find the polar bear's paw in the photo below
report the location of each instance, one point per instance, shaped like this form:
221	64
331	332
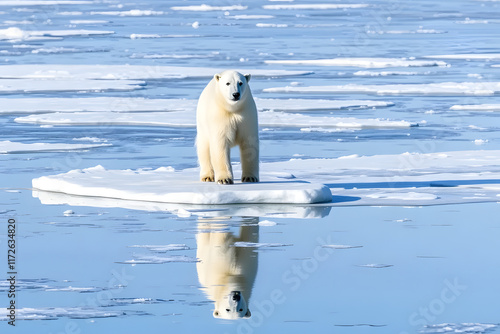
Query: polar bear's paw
225	181
207	178
249	179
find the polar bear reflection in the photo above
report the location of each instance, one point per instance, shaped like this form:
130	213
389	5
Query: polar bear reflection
227	273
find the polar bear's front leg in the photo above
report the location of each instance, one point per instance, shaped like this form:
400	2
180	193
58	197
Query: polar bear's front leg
219	156
203	150
249	153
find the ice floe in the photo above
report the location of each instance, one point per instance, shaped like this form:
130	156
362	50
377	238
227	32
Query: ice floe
60	71
126	104
320	6
15	147
16	34
155	259
166	186
362	62
466	328
44	2
476	107
187	119
15	86
208	8
407	179
132	12
467	56
52	313
439	89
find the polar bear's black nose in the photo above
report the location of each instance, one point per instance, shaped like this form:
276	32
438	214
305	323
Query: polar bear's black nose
236	96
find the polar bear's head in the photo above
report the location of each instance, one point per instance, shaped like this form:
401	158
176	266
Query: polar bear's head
232	85
233	306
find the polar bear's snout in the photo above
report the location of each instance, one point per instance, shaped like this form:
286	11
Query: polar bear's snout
236	96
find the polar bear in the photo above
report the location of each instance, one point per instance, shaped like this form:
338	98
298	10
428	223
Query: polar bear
227	273
226	116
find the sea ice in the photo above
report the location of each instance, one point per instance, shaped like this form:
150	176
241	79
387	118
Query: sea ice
59	71
188	119
128	104
361	62
439	89
15	147
174	187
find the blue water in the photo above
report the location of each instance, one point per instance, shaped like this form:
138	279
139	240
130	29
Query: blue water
426	265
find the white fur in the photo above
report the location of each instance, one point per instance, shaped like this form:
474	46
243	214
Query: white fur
223	122
225	271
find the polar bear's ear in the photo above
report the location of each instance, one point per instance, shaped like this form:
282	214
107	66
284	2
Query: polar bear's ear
217	77
248	314
247	76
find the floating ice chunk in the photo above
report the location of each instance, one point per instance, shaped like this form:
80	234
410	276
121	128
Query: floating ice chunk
314	6
163	248
477	107
385	73
466	328
75	104
133	12
267	223
44	2
404	196
340	246
361	62
250	17
376	265
58	71
207	8
15	86
177	187
443	88
68	212
51	313
154	259
15	147
480	141
467	56
14	33
259	244
271	25
186	119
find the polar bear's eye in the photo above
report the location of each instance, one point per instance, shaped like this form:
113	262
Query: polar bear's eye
240	83
228	83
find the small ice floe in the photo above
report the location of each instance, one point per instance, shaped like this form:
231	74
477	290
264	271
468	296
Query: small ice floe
153	259
53	313
432	89
259	244
267	223
466	328
320	6
163	248
480	141
187	120
405	196
14	147
132	12
477	107
375	265
340	246
68	213
207	8
362	62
